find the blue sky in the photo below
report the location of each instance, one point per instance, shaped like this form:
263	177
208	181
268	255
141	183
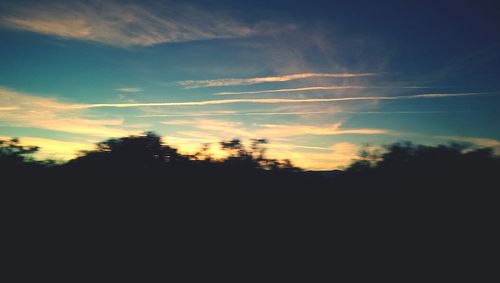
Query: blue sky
320	79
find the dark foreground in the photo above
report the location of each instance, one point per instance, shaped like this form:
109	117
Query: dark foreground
417	211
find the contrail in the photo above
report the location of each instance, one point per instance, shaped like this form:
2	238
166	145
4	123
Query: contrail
314	88
273	100
302	113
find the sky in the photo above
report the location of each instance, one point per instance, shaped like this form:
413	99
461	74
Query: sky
319	79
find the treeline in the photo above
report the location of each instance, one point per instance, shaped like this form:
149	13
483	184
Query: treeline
146	158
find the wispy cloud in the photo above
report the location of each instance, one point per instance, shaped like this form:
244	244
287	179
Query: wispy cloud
283	78
228	129
126	24
222	128
8	108
276	100
47	113
316	88
232	113
129	89
273	130
299	113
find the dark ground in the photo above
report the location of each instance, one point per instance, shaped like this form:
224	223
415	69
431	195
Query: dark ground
416	212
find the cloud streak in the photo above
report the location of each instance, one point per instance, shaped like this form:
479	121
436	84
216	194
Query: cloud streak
227	129
315	88
221	127
276	100
129	89
251	81
233	113
272	130
126	24
299	113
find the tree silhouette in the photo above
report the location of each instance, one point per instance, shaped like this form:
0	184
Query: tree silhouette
15	157
141	151
146	155
13	150
407	163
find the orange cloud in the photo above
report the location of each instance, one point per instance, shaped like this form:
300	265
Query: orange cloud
222	128
283	78
47	113
271	130
312	88
128	24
